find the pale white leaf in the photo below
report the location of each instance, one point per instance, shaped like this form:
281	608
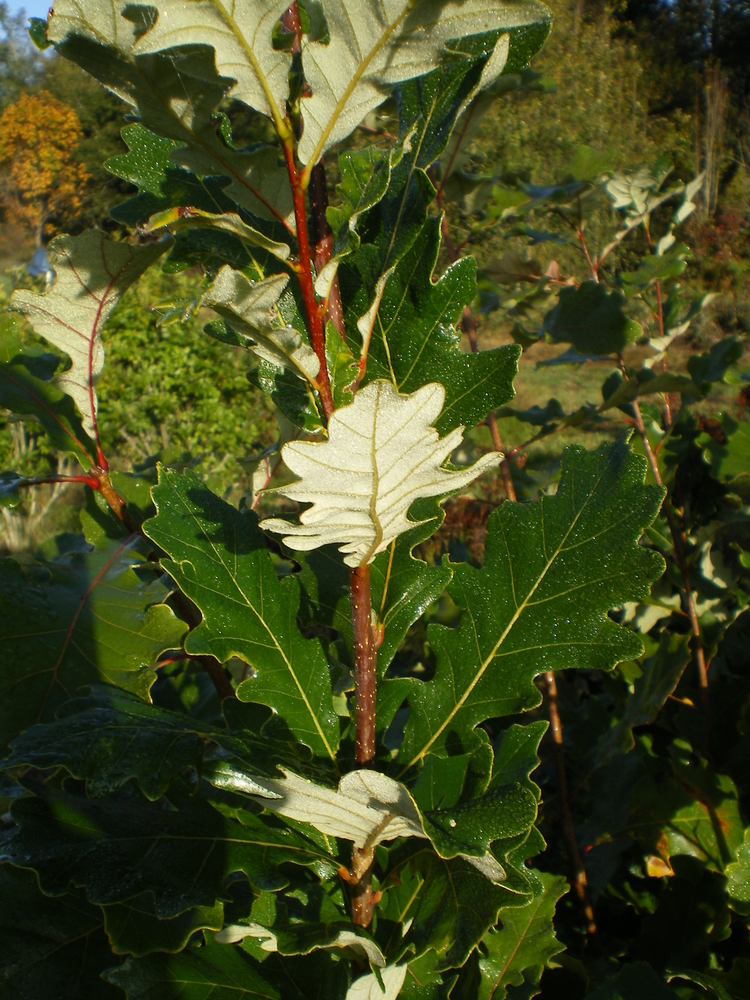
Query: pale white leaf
177	219
92	272
375	44
490	867
368	988
234	933
261	468
363	947
250	309
381	455
367	808
688	206
174	97
665	243
240	33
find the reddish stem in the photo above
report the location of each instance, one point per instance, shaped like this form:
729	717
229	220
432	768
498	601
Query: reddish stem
365	656
323	236
304	274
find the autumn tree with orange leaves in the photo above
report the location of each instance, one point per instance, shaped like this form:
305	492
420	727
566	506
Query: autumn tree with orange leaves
40	175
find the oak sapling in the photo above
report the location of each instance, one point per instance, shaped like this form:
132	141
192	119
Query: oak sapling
325	822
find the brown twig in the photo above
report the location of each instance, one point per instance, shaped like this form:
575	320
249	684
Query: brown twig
323	237
580	882
365	655
679	541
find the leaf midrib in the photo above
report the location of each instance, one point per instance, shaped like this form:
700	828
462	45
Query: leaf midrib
484	664
261	619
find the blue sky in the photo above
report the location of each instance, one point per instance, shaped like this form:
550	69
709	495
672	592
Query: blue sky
33	8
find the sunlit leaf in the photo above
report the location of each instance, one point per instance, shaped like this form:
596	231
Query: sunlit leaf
250	309
523	943
220	560
541	603
92	272
381	455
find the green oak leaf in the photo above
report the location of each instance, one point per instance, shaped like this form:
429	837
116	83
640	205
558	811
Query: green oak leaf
342	367
592	320
427	109
88	617
414	340
26	389
518	950
449	903
738	879
133	927
218	557
289	394
469	827
540	603
121	846
50	948
228	973
111	736
161	183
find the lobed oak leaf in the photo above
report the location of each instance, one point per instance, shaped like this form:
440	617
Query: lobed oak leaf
92	272
381	455
250	309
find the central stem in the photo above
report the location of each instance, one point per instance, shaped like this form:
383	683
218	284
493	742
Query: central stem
365	658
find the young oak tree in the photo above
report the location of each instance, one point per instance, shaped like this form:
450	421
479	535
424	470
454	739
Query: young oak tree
339	831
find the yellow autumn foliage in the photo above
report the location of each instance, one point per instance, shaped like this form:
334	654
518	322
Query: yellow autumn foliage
39	172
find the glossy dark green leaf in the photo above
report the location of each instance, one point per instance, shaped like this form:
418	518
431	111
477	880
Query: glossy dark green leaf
365	174
120	847
541	602
592	320
50	949
86	618
290	394
634	982
470	827
26	394
111	736
738	879
219	559
162	184
224	972
342	367
453	908
414	340
518	950
661	672
427	110
134	928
